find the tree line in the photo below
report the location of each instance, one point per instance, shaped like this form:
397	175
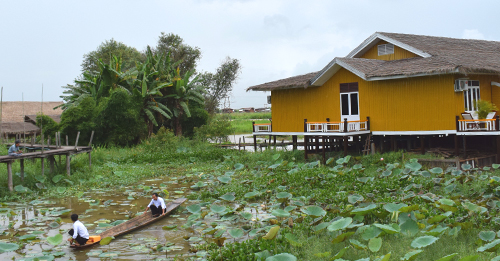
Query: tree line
126	95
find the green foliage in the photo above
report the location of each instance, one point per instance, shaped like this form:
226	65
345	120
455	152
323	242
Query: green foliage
199	117
117	121
79	118
106	51
216	130
179	52
49	126
483	108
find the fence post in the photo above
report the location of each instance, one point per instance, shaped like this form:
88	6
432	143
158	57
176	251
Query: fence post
457	118
305	126
253	126
345	124
497	123
367	123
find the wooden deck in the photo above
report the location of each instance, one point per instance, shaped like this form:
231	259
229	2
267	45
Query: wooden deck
41	152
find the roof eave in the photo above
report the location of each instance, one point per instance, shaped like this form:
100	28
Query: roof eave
331	69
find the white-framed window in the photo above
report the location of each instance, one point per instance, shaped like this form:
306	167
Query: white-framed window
471	95
384	49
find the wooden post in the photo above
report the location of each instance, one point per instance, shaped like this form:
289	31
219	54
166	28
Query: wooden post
91	137
21	163
43	165
42	143
456	146
68	167
324	154
77	137
497	123
90	159
346	140
372	149
48	142
51	163
422	145
255	143
367	123
498	148
9	178
253	127
316	143
345	125
57	143
294	142
393	143
464	142
239	143
305	125
306	139
67	143
457	123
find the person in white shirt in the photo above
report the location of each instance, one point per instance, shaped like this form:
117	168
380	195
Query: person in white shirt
155	205
79	233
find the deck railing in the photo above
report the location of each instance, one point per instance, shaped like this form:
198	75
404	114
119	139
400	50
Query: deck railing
340	126
477	125
262	127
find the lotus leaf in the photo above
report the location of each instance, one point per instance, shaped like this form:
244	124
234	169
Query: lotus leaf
409	208
353	199
194	208
386	257
490	247
283	196
495	166
365	210
436	170
466	166
252	194
436	231
262	255
8	247
497	258
40	178
106	241
109	254
238	166
20	188
57	178
374	244
393	229
414	166
27	237
340	253
272	233
342	237
424	241
228	197
282	257
392	207
386	173
55	240
448	257
447	202
425	174
487	235
436	219
474	207
340	224
313	211
320	227
169	227
411	255
280	213
357	166
371	232
357	244
293	240
217	209
61	189
290	208
409	228
246	215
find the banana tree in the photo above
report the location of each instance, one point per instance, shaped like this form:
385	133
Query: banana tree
147	85
184	90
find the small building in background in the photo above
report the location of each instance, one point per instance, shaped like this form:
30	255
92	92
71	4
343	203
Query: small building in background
227	110
249	109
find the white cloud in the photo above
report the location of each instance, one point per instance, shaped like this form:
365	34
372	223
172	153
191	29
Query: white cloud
472	34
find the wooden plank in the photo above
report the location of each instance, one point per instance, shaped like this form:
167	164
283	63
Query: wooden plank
9	174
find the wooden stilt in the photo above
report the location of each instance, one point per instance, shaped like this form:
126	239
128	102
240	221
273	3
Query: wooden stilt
9	174
498	148
90	159
21	163
51	163
77	137
91	138
457	148
67	142
294	142
306	146
324	152
422	145
43	165
464	142
255	143
68	166
346	141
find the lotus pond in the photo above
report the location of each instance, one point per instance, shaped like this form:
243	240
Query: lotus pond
266	206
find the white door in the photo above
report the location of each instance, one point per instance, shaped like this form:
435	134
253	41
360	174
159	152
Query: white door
349	106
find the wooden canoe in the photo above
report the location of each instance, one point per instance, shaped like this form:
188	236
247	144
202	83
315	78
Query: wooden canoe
135	223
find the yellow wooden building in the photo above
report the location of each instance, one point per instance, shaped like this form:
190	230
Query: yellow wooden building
398	85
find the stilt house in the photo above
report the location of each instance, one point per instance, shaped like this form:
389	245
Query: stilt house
400	91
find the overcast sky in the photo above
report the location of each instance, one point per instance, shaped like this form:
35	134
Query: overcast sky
43	42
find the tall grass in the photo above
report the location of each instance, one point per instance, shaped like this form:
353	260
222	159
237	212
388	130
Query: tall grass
248	115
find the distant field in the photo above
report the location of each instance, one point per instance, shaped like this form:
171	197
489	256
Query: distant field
242	121
249	115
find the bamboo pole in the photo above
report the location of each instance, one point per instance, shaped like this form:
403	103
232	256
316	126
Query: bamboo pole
1	105
24	127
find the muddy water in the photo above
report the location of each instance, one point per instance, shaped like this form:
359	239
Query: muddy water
115	204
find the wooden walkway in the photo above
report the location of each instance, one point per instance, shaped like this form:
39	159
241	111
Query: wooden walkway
41	152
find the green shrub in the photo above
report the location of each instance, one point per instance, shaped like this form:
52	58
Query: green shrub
216	130
484	107
199	117
79	119
49	126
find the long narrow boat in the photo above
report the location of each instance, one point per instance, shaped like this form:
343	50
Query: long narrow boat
132	224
